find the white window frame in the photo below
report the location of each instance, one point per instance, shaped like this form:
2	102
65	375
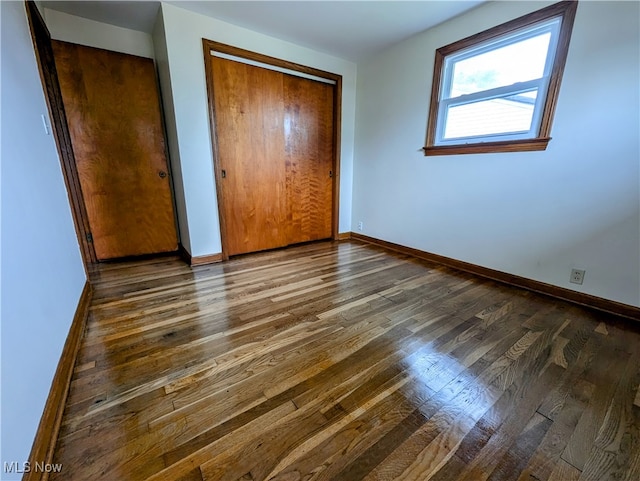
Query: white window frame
552	27
557	20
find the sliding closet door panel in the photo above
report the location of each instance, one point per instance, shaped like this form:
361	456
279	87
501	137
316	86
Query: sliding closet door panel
309	151
249	124
113	111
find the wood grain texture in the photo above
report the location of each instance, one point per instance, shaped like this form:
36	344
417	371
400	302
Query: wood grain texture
275	147
113	109
581	298
46	437
48	74
337	142
343	360
525	145
308	134
249	106
210	45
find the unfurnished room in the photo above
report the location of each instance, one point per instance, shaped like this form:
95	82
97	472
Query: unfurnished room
320	240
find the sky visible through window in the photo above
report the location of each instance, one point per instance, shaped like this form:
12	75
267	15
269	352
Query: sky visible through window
496	90
513	63
519	62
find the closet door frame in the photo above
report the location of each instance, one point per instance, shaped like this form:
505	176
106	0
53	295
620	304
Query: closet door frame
209	46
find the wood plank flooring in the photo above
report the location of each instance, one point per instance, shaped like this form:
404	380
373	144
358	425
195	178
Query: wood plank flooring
344	361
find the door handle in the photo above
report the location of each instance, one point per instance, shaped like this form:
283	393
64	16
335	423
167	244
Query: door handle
331	174
224	173
162	174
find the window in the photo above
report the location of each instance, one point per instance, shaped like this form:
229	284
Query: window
496	91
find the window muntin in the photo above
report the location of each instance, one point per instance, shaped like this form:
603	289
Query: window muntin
518	58
493	88
499	116
482	87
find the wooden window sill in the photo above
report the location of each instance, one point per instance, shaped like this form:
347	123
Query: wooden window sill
524	145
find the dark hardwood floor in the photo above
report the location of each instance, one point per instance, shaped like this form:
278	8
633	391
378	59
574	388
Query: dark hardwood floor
344	361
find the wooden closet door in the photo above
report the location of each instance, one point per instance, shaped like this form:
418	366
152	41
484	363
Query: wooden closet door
249	114
309	148
113	111
275	149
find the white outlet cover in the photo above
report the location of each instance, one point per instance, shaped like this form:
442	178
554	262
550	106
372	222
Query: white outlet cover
577	276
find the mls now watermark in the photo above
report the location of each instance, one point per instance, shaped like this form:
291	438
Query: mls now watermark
28	467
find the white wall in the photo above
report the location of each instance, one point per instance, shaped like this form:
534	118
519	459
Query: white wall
533	214
166	91
188	121
42	273
82	31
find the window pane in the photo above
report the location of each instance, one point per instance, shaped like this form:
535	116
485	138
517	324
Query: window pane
513	63
496	116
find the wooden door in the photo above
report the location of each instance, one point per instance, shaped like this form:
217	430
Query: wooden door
308	137
249	121
275	148
46	63
113	111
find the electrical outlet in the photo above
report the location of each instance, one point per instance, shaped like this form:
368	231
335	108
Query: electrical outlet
577	276
360	226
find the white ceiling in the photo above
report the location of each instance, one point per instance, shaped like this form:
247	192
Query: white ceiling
347	29
136	15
